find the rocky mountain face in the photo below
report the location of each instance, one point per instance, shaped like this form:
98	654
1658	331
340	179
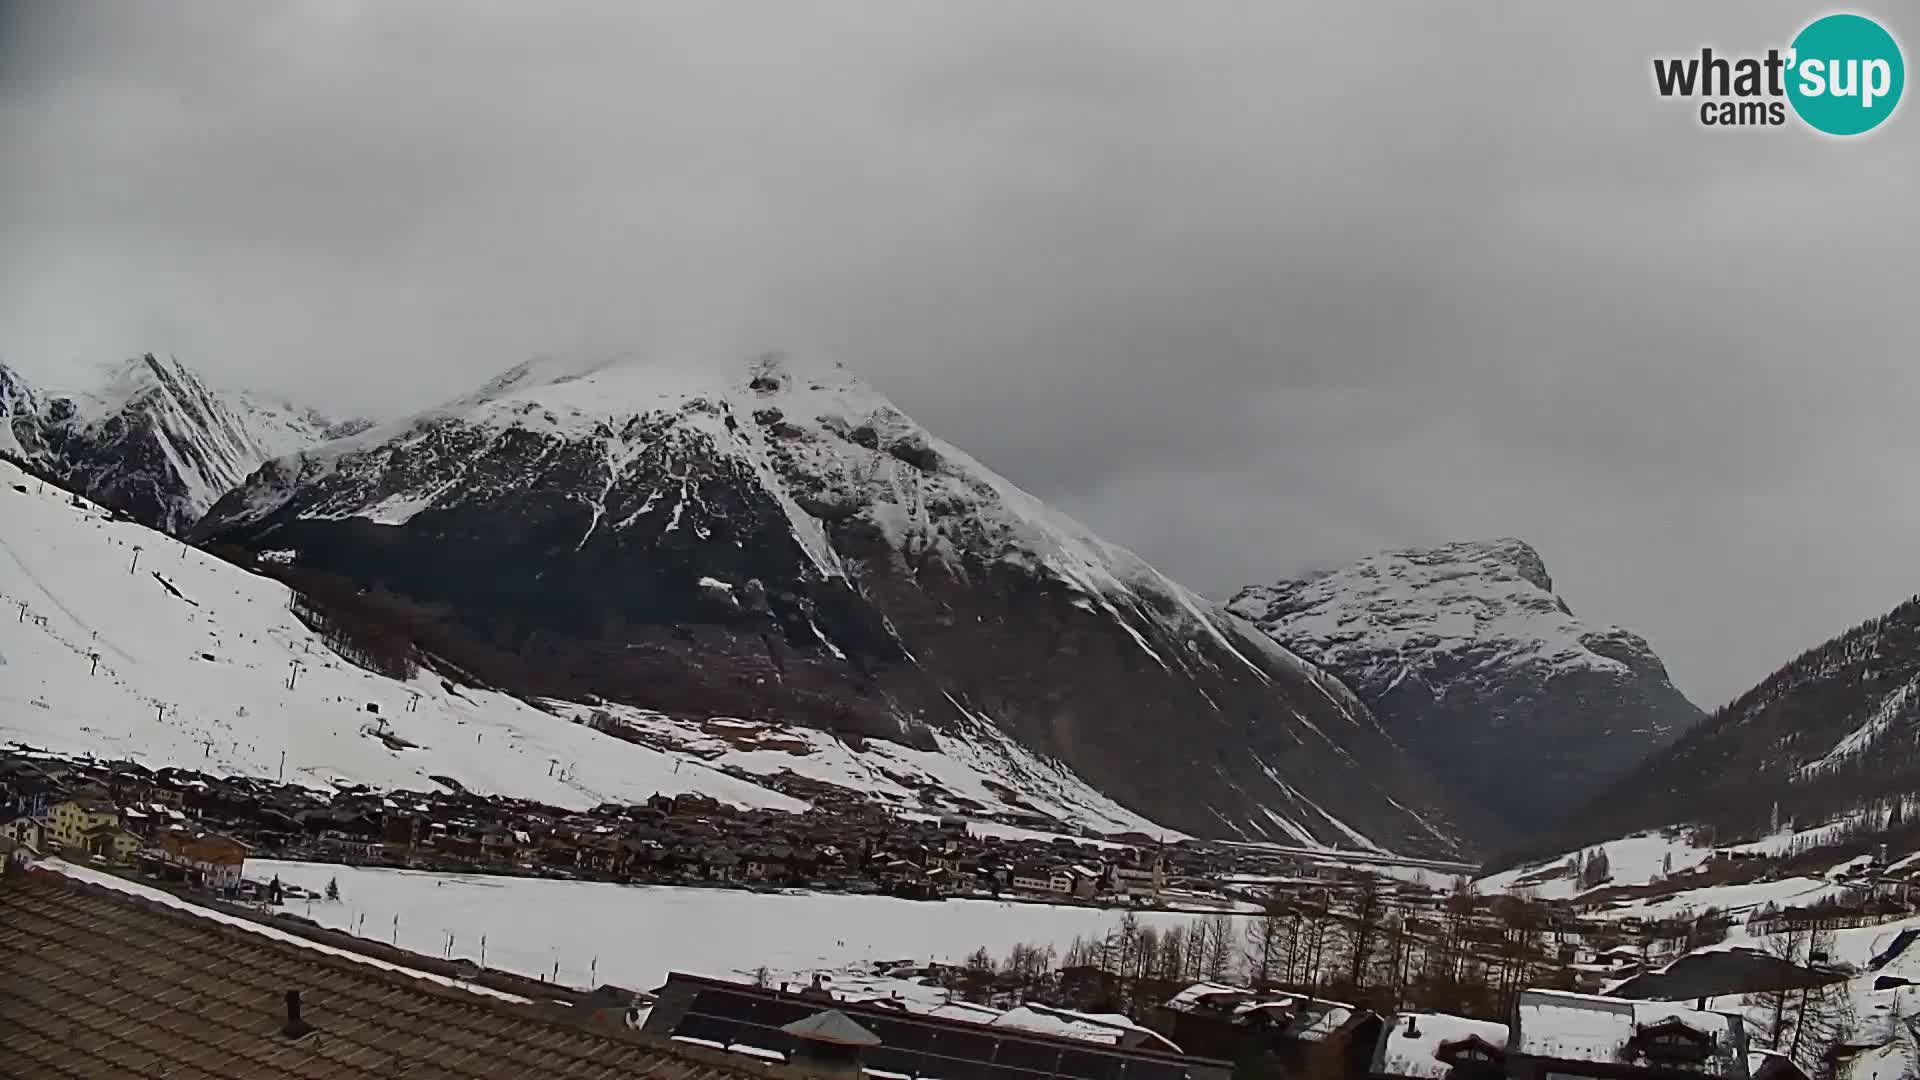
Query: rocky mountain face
784	542
150	439
1473	664
1832	736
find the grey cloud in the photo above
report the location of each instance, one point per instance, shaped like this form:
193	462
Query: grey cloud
1248	287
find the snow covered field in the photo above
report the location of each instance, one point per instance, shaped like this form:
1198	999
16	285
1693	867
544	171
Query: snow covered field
635	935
195	658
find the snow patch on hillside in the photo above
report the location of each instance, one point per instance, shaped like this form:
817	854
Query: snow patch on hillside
201	680
974	773
1899	705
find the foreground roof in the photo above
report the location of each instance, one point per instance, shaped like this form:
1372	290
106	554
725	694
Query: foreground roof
751	1019
102	984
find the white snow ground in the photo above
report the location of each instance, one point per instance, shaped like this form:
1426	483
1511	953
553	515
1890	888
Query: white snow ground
200	680
635	935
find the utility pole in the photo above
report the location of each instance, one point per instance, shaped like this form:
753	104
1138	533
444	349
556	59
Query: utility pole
23	610
294	675
95	669
283	767
136	559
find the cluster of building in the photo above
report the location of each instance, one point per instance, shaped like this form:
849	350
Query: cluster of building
126	812
124	815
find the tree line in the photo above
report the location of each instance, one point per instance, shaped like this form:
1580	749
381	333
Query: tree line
355	628
1471	956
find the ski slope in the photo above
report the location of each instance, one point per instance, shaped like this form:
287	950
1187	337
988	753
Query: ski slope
201	665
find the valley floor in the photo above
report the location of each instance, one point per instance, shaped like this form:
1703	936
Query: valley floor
635	935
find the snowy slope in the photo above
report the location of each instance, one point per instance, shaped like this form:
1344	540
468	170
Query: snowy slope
200	680
974	770
1480	669
147	436
782	542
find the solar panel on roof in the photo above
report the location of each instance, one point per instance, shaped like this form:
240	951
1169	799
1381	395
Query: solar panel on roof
711	1028
1086	1066
1033	1057
959	1044
953	1068
1141	1069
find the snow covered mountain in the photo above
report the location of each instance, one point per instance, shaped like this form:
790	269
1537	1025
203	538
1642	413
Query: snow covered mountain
1833	736
150	439
785	543
1476	666
201	664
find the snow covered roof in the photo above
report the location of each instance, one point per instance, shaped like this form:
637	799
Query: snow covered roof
1193	995
965	1010
1047	1023
1410	1040
1586	1027
1112	1029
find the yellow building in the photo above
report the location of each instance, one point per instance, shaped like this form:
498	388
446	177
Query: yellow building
70	820
111	842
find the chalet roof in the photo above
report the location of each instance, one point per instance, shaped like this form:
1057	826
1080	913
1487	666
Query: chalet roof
1410	1053
100	983
1585	1027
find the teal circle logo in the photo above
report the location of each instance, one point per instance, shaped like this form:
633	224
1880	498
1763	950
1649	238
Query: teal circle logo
1846	74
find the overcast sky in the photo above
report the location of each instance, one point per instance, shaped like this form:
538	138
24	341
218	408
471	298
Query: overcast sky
1248	287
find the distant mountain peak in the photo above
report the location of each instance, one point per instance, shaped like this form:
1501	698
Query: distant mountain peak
1473	662
147	436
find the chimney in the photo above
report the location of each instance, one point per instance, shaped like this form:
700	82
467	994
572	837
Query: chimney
1413	1026
295	1027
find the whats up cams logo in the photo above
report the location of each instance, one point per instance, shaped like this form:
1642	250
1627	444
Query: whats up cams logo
1842	75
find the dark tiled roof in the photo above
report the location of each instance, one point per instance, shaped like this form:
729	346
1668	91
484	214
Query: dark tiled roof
734	1014
96	983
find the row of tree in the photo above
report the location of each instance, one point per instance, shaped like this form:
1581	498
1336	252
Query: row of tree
1472	957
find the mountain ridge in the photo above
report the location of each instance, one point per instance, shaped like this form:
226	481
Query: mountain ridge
148	437
784	539
1832	735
